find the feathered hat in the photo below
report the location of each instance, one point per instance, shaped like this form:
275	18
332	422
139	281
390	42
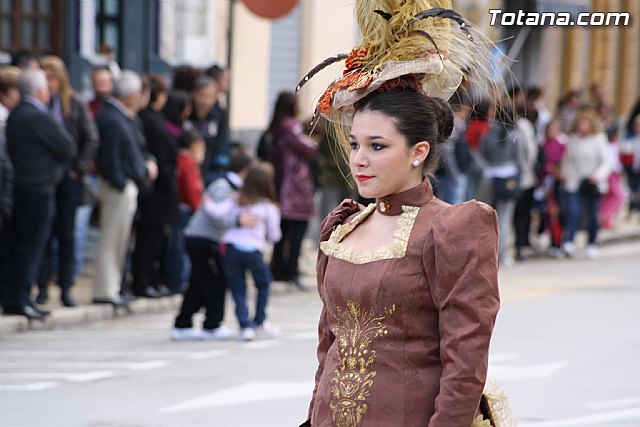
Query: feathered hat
420	43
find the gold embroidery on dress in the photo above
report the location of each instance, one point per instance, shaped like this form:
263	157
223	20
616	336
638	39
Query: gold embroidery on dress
355	330
397	249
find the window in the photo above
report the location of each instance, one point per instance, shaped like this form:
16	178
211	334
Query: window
29	25
108	27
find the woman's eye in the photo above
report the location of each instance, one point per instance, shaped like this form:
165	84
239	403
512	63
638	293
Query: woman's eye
377	147
354	145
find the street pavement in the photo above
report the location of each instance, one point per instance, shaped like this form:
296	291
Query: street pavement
565	350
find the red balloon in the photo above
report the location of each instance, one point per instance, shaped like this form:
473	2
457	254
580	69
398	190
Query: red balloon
270	9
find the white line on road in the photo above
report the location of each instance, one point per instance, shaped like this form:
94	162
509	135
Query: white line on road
256	391
610	404
202	355
502	357
142	366
595	419
256	345
527	372
45	385
148	366
302	336
65	376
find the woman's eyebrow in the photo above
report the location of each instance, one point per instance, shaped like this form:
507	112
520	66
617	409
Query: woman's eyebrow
371	137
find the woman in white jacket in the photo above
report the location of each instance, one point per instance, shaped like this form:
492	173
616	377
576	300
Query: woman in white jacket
585	171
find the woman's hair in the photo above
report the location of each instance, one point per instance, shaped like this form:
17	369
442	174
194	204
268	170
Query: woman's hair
188	138
553	122
286	106
56	66
258	185
481	110
177	100
417	117
184	78
8	78
157	85
239	158
591	116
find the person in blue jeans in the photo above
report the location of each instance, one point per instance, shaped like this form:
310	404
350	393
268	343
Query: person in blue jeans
244	247
585	173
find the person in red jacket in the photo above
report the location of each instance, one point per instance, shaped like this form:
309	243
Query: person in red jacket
191	151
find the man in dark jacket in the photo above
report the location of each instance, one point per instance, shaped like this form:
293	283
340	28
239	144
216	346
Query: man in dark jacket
122	168
40	150
210	119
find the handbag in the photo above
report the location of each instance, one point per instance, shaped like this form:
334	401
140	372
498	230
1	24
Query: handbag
589	189
506	188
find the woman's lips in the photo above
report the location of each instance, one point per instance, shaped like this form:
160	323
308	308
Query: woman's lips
363	178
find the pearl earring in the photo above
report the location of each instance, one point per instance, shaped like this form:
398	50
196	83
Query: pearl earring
416	162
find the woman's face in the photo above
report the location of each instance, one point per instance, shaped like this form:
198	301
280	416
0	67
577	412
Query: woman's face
54	83
583	127
381	162
205	98
553	130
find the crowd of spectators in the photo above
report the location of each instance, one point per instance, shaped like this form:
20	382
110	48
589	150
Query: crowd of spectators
145	155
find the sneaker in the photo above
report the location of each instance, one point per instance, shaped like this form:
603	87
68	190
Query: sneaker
555	253
268	330
220	333
186	334
592	252
569	248
247	334
507	262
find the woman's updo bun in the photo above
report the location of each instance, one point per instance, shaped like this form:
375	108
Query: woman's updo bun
416	116
445	119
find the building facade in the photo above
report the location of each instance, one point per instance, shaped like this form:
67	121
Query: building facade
268	56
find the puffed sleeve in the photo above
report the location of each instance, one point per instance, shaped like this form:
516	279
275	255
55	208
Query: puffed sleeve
461	261
336	217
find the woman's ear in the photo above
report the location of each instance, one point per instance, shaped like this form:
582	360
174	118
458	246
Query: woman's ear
420	151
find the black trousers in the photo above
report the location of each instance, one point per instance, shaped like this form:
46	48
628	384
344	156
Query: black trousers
5	241
148	257
62	239
522	218
32	221
207	286
286	253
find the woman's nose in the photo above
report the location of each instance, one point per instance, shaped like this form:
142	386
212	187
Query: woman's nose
358	159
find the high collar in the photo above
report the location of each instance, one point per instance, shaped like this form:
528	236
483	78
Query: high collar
419	195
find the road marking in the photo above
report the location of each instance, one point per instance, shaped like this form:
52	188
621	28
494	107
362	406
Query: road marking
66	376
502	357
610	404
45	385
142	366
595	419
148	366
202	355
303	336
41	354
256	391
528	372
256	345
566	284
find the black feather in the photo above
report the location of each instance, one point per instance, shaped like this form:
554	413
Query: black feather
439	12
321	66
382	13
428	36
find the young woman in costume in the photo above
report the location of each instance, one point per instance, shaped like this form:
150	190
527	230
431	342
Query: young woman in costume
409	283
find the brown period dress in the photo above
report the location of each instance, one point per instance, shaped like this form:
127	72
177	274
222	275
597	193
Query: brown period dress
405	329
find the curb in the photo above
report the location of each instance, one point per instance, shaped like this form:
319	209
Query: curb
86	313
